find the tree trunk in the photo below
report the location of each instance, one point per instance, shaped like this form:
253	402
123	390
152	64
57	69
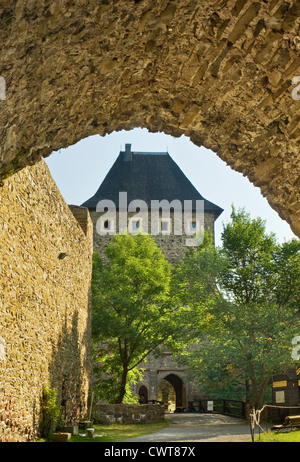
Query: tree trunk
122	390
258	387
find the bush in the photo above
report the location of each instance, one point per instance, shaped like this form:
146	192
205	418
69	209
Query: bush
51	412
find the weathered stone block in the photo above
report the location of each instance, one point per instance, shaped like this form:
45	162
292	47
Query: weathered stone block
129	413
73	429
61	437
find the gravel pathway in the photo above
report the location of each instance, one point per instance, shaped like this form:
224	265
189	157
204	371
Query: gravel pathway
199	428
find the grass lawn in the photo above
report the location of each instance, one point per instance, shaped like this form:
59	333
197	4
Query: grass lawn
115	433
279	437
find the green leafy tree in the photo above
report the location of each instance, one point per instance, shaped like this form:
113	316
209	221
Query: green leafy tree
245	300
132	310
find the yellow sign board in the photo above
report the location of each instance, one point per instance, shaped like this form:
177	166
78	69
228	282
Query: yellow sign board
283	383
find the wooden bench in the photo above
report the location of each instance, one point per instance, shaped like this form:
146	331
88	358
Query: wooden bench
290	422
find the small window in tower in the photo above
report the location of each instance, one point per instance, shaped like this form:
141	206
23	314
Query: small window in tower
135	225
106	224
193	225
165	226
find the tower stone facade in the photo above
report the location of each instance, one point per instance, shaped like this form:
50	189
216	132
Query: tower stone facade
147	191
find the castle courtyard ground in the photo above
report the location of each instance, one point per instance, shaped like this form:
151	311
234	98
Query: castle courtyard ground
189	427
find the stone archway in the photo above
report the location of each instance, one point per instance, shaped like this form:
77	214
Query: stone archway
180	390
218	72
143	394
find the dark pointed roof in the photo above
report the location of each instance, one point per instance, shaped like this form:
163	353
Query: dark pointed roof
147	176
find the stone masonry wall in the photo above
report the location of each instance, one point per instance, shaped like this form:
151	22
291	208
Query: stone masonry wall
172	246
44	303
222	73
128	413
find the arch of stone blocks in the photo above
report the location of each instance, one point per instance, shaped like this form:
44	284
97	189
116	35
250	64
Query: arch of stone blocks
223	73
178	384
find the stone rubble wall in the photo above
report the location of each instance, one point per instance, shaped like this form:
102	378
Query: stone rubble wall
128	413
45	332
172	246
219	72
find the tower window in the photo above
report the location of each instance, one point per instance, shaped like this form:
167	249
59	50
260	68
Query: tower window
165	226
106	224
193	225
135	225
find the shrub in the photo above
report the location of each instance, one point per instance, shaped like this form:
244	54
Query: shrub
51	412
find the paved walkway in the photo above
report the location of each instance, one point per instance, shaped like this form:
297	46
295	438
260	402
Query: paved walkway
199	428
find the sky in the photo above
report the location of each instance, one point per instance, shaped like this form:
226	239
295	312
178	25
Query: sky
80	169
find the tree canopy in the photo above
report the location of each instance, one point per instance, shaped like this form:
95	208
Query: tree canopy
132	313
230	313
245	307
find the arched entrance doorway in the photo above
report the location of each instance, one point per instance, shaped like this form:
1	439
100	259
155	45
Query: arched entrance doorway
172	391
143	395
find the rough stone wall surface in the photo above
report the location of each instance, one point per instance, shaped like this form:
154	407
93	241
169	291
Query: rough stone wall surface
128	413
219	72
82	216
44	303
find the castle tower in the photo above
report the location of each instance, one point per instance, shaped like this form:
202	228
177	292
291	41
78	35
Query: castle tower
148	191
